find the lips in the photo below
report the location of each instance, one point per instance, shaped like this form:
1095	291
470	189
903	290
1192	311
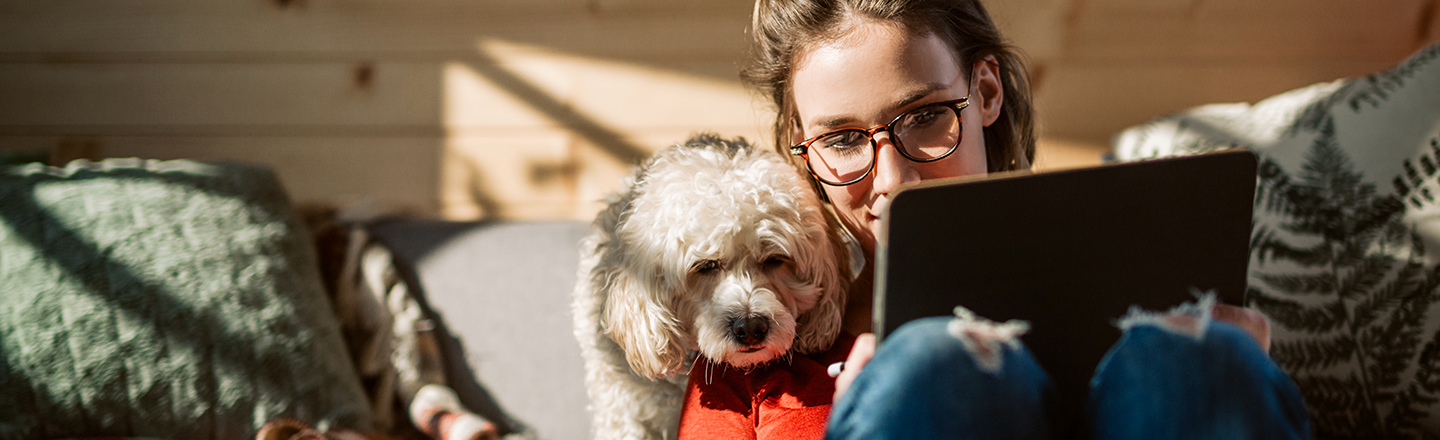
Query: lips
748	350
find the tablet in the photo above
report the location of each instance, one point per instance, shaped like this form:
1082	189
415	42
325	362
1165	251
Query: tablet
1069	251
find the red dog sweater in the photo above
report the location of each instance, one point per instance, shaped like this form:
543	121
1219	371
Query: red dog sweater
782	399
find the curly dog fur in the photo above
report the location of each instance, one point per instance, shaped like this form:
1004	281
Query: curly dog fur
714	248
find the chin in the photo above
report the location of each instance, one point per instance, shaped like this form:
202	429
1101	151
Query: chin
714	249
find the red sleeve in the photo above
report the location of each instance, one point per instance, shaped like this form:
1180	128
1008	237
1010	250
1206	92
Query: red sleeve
717	404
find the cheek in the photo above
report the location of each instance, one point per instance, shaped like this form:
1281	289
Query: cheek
962	163
849	197
849	203
968	159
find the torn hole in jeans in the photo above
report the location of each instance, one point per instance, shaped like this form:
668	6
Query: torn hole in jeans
985	339
1190	319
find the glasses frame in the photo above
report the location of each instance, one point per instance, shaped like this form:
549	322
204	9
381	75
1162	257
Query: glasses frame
958	105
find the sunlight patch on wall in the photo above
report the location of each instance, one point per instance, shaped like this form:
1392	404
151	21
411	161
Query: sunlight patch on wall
535	133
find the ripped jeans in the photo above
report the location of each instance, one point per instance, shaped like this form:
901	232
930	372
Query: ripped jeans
929	381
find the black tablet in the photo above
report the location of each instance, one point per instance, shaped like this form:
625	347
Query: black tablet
1069	251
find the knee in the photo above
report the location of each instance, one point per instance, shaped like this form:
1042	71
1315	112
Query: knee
1224	364
1219	342
947	355
922	339
1218	380
1223	337
942	343
927	381
1242	358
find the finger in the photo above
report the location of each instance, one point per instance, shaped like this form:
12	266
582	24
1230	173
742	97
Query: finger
860	354
1250	320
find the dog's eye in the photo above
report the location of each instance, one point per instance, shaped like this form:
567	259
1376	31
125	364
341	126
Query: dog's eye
775	261
706	266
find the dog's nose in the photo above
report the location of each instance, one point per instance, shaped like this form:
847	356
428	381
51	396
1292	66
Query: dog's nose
749	330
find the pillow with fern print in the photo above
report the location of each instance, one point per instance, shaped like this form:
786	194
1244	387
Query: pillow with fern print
1345	248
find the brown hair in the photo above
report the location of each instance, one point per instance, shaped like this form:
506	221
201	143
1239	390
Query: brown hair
784	28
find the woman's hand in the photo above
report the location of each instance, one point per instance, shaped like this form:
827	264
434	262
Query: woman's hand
1247	319
860	354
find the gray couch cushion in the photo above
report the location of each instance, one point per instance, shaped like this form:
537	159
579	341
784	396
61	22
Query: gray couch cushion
503	290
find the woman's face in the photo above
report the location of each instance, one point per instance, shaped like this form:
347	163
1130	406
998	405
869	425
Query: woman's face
868	77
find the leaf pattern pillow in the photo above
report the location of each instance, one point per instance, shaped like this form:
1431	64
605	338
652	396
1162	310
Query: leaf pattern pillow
1345	249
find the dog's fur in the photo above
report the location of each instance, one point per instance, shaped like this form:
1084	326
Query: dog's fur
707	232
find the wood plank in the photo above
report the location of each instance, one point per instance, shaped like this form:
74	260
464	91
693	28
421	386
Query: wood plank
544	174
633	96
1254	31
1429	32
507	176
253	99
355	172
602	171
382	99
366	29
586	94
1089	102
1037	27
1056	154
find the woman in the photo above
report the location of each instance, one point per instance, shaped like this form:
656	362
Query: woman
873	94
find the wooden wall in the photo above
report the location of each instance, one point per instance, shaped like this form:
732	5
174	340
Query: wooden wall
1113	63
480	108
462	108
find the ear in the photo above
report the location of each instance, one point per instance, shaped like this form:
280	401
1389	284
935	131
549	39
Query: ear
818	327
987	91
638	317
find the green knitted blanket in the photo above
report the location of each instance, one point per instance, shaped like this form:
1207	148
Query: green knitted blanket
162	299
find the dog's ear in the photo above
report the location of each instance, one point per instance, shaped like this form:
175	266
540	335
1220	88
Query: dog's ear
638	317
817	328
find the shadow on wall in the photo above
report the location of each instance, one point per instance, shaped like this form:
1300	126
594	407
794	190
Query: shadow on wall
486	192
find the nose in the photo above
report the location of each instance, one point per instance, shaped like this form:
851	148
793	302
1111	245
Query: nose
749	330
891	167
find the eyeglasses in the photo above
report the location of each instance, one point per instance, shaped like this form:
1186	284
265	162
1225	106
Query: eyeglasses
925	134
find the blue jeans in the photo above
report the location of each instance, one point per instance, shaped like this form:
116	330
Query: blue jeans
1153	384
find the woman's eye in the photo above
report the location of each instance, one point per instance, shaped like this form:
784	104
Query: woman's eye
922	117
707	266
842	141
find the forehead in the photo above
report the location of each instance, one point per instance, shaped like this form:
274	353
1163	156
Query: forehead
869	71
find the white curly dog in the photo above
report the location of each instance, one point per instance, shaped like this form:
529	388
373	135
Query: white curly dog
715	247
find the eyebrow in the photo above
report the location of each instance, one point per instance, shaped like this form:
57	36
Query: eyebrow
908	99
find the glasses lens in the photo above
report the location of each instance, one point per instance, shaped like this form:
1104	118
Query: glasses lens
929	132
841	156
